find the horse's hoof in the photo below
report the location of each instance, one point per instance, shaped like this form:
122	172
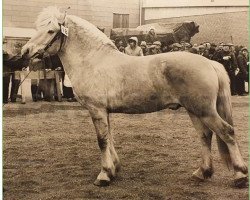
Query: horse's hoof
241	180
198	175
208	173
101	183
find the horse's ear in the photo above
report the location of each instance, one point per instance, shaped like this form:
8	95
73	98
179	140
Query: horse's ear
63	17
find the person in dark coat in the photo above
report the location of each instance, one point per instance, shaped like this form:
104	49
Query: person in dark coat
155	48
11	63
151	37
242	74
217	56
229	61
144	48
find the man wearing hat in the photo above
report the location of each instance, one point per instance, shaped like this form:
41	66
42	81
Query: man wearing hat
229	61
119	45
176	47
144	48
201	50
151	37
243	73
11	63
133	49
155	48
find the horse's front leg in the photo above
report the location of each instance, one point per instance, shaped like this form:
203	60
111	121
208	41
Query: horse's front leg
100	120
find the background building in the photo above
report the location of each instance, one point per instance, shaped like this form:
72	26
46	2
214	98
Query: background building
102	13
219	20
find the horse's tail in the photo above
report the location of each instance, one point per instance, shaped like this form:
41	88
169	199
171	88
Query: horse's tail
224	109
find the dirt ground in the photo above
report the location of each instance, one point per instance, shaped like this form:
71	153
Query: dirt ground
51	152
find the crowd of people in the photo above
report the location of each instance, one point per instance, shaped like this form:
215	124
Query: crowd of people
235	59
41	89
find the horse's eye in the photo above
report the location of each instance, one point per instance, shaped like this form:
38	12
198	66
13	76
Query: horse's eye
50	32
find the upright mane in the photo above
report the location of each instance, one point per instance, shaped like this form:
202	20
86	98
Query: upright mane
52	14
48	15
90	31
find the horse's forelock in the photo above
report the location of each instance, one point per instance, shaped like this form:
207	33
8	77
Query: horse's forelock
47	16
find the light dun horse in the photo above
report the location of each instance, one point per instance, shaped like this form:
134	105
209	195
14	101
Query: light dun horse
107	81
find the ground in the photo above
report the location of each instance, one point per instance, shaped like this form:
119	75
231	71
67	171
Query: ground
50	152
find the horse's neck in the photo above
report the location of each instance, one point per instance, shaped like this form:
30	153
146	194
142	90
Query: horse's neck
85	45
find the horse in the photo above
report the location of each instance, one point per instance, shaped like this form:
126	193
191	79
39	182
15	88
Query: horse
107	81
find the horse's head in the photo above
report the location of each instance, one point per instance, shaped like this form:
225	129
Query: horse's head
48	37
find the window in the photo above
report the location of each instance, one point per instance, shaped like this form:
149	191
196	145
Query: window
120	20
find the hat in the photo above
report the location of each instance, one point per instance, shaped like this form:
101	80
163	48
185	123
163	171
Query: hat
201	47
244	48
143	43
228	44
157	43
133	39
176	45
188	44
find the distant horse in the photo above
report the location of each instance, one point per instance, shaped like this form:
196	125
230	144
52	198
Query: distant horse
108	81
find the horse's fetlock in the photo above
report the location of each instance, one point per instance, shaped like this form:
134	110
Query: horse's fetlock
102	143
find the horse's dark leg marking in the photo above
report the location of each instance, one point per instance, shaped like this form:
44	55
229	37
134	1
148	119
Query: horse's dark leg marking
226	133
114	155
206	169
99	117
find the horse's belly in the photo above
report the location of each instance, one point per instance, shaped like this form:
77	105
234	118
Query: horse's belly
143	107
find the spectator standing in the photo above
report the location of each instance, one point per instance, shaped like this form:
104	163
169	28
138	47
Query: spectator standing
176	47
242	74
230	63
151	37
120	46
201	50
155	48
133	49
11	64
144	48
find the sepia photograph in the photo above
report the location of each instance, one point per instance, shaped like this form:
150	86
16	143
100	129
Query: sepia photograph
125	99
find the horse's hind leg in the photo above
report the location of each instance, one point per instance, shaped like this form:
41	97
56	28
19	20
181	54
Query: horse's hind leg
205	134
226	134
99	117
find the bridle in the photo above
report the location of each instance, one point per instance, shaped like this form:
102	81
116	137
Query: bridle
59	35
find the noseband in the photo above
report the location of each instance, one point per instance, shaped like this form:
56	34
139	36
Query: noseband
58	35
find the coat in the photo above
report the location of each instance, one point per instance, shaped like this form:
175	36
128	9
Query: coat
13	63
242	65
151	38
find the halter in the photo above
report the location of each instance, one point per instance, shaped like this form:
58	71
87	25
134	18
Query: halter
60	34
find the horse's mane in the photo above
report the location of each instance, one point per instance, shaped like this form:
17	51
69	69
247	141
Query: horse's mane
92	32
49	14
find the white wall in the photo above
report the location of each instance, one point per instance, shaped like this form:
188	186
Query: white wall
193	3
167	12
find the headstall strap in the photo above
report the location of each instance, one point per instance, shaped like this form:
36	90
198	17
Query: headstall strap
59	34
